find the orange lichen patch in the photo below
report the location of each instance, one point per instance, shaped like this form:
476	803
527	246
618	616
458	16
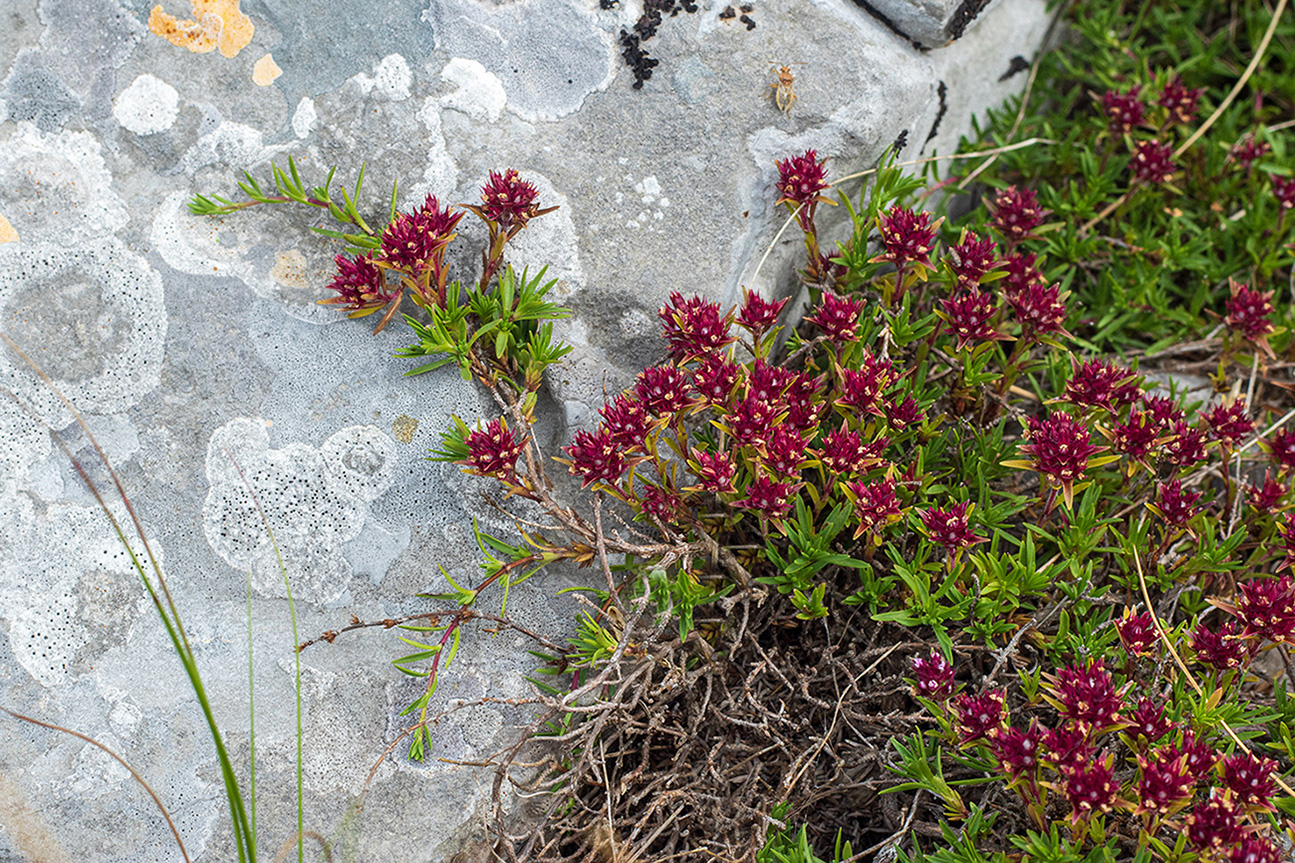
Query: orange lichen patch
289	269
265	71
216	24
7	233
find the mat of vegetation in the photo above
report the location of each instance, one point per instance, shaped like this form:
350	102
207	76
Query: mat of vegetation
987	557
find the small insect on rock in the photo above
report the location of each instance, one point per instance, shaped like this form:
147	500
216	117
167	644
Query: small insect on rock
784	93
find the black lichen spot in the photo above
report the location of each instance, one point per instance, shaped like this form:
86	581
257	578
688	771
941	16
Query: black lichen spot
636	58
728	14
901	141
607	4
747	7
1017	65
966	13
746	19
942	91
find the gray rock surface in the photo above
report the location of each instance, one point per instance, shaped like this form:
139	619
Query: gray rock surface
192	345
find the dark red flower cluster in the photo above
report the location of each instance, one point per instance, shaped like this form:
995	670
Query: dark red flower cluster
1091	789
1284	191
1248	315
493	451
1175	505
1180	101
1186	445
1017	751
1015	213
1213	826
1086	694
627	420
801	179
1164	786
933	676
663	390
596	457
1124	111
908	237
837	317
1267	496
1248	151
715	470
508	200
1229	423
844	453
1137	633
1267	608
694	327
1153	162
359	284
1222	650
415	242
1059	447
951	527
969	316
769	498
758	314
1197	756
875	503
971	259
1281	449
1100	384
1250	780
1040	310
978	716
1148	720
863	388
715	378
1067	746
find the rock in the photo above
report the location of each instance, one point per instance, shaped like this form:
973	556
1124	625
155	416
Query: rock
199	356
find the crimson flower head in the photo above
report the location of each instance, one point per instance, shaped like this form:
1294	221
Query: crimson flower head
1022	272
801	179
1059	449
1067	747
951	527
1267	496
360	285
803	402
1040	310
785	451
1197	756
714	470
1086	694
768	498
1267	608
715	378
1229	423
1123	110
627	420
1017	751
876	505
1164	410
662	502
1248	313
1091	789
751	421
1100	384
1250	780
758	314
1137	633
508	200
1213	826
971	259
969	317
978	716
933	676
838	317
1153	162
1173	504
493	451
1186	446
1016	213
1223	650
1284	191
1180	101
863	388
1136	437
908	237
1281	449
663	390
1255	850
1288	539
415	242
845	453
1164	786
694	327
901	416
1148	720
768	382
1248	151
596	457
